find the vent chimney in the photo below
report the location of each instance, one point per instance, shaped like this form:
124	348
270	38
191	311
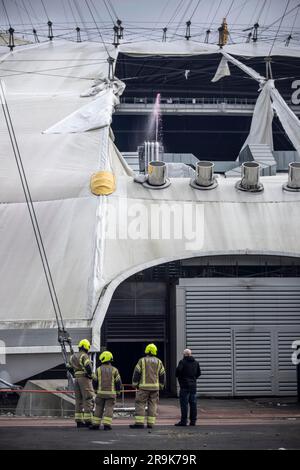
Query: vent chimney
250	178
204	178
293	183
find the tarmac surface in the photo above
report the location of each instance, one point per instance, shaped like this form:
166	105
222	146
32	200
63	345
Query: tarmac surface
222	424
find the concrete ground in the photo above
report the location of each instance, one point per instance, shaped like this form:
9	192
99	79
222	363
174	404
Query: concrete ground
222	424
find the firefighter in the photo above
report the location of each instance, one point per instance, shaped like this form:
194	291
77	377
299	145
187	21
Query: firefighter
108	384
81	366
148	377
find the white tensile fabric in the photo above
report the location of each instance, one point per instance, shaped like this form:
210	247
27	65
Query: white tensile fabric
287	117
248	70
261	124
185	48
94	115
43	85
222	70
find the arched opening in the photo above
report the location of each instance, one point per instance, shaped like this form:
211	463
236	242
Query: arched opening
238	313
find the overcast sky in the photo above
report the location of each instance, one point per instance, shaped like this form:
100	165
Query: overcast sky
149	14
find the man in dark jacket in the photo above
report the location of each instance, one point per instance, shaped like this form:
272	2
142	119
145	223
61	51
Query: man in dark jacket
187	373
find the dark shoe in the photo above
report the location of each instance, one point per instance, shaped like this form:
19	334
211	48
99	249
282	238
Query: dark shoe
87	425
192	423
136	426
94	427
80	424
107	427
180	424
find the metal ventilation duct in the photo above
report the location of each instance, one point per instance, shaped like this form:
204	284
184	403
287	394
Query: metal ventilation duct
157	175
204	178
293	183
250	178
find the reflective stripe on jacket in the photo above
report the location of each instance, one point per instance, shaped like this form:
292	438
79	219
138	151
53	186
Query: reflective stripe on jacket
81	364
108	381
149	374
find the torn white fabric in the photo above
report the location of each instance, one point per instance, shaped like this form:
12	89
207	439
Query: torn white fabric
287	117
248	70
261	125
101	84
222	70
94	115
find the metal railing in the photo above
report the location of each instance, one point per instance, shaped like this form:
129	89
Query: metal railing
189	101
31	410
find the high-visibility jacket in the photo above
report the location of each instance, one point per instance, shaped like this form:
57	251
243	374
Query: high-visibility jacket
149	374
81	364
107	382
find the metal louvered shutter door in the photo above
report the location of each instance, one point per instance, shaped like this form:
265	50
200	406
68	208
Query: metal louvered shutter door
287	374
241	331
253	364
213	349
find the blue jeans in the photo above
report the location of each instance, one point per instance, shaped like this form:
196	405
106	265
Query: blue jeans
187	398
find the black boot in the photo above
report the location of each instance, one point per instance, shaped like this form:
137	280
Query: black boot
180	423
107	427
94	427
136	426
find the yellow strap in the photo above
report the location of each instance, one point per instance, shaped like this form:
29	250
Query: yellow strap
103	183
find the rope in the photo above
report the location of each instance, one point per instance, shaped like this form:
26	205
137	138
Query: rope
229	9
261	11
295	19
33	10
184	13
99	32
82	19
281	17
108	10
45	9
176	11
112	8
27	13
6	13
72	13
287	5
160	16
215	14
195	9
20	15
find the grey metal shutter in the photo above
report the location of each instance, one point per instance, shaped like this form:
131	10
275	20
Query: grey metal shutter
253	364
137	312
287	374
135	328
241	331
